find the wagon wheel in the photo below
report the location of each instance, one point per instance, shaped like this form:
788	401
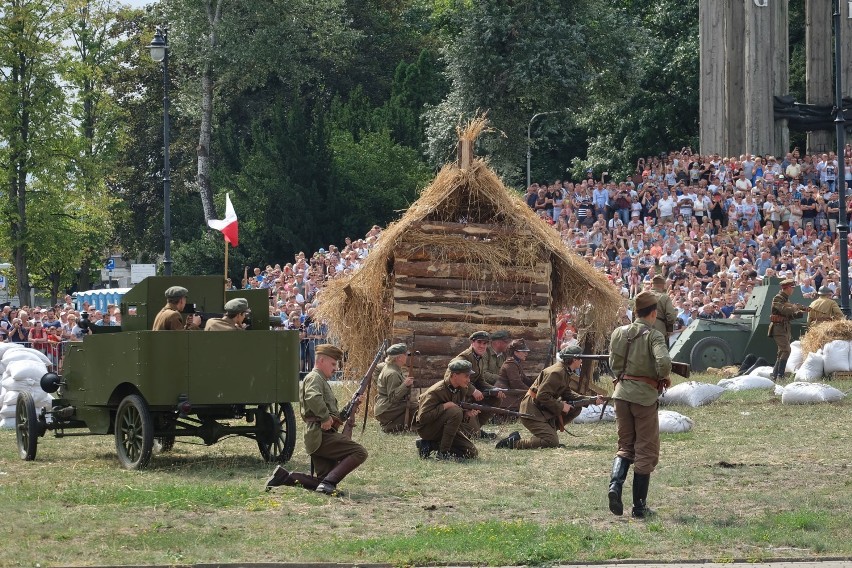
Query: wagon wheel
710	352
134	432
26	426
276	431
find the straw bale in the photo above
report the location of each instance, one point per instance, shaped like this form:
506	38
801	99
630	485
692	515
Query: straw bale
820	334
359	309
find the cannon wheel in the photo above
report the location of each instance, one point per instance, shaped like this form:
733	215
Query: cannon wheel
26	426
134	432
276	436
710	352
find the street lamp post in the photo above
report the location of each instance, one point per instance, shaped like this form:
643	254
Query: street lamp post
840	129
160	52
529	141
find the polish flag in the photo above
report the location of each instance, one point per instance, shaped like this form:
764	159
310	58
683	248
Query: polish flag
228	225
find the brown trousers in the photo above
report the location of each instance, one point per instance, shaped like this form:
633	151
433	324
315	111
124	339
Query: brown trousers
545	434
333	449
393	420
638	434
449	431
782	341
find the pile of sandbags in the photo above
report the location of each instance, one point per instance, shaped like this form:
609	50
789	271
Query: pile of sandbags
747	382
674	422
796	357
22	369
691	394
812	369
808	393
592	413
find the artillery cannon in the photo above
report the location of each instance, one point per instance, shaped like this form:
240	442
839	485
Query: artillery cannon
141	385
722	342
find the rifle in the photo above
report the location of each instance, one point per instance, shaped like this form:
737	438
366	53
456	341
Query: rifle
494	390
494	409
681	369
584	401
350	410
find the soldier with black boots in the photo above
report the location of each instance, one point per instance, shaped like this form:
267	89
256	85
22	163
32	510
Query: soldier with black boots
779	326
638	353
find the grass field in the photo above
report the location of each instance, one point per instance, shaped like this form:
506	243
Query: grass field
754	480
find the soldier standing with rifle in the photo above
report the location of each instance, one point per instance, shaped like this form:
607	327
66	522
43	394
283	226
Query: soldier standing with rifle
824	308
666	314
638	353
779	326
548	402
393	393
334	455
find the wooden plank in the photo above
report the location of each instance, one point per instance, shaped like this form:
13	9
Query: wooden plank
415	282
470	312
469	297
462	271
448	345
469	229
405	329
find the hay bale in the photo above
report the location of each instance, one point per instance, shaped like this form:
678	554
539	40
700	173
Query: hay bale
820	334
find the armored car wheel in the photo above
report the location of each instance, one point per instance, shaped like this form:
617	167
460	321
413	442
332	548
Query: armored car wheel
710	352
26	426
276	435
134	432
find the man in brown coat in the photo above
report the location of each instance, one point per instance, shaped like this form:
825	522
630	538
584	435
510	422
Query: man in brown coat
169	318
393	392
235	315
824	308
779	326
440	419
483	379
512	374
548	401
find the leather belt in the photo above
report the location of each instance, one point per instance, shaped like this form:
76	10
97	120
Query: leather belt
647	380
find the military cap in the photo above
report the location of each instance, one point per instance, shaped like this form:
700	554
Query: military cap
479	335
645	299
176	292
236	306
788	282
570	352
330	351
659	280
397	349
501	334
518	345
461	366
825	291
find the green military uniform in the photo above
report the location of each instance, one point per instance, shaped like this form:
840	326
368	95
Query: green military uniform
493	363
443	426
824	308
779	327
393	397
221	324
480	367
326	447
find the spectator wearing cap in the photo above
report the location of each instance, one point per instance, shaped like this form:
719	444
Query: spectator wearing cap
783	312
395	407
512	374
440	419
333	455
548	402
824	308
640	357
169	318
235	315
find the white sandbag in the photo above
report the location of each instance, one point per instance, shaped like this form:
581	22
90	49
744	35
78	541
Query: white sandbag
812	369
4	347
10	398
795	358
11	384
672	422
592	413
747	382
25	354
42	399
836	356
808	393
691	394
779	390
26	369
765	372
7	411
7	423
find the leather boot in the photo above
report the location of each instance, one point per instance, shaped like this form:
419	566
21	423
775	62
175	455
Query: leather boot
640	495
424	448
775	374
279	477
304	480
509	441
620	467
346	466
782	369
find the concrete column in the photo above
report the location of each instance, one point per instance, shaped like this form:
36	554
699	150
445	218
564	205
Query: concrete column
781	68
819	88
713	77
759	78
735	88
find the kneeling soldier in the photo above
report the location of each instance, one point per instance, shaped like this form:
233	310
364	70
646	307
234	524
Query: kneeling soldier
334	456
512	374
440	419
235	315
395	410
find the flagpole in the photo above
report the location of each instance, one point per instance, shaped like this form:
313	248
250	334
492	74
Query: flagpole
225	289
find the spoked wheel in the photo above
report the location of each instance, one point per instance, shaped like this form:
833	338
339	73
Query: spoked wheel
26	426
134	432
276	431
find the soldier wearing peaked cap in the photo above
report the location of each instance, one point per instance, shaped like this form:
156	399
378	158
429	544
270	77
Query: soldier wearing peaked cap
512	374
440	420
783	312
824	308
169	318
393	392
235	315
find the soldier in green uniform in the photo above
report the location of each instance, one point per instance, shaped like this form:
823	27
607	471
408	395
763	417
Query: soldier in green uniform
483	379
169	318
666	313
334	456
547	400
439	418
235	315
638	354
779	326
495	355
393	393
512	374
824	308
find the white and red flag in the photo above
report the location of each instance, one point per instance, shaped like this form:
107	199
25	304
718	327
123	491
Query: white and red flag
228	225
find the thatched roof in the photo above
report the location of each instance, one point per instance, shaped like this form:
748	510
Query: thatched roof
359	311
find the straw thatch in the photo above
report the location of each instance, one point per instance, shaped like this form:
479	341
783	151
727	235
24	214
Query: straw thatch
820	334
359	309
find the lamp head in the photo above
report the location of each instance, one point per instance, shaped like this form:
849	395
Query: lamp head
158	46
